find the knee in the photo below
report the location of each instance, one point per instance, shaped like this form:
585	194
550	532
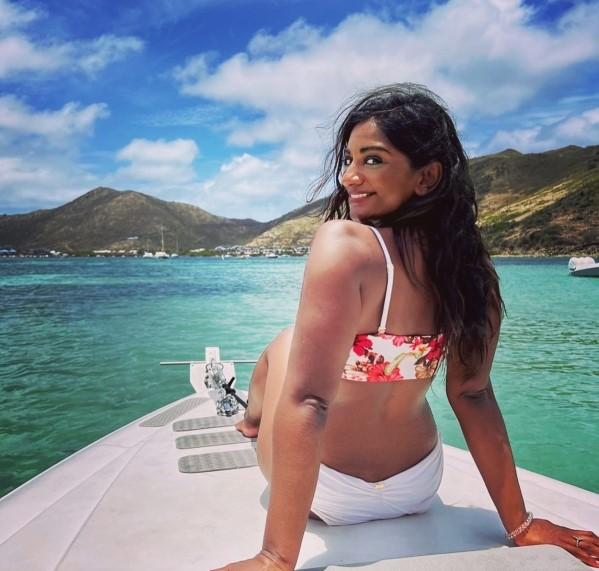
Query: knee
280	343
287	333
283	338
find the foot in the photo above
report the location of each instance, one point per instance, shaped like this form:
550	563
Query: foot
247	428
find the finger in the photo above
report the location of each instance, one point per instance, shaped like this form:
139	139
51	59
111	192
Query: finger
583	533
581	554
590	561
589	544
592	549
582	539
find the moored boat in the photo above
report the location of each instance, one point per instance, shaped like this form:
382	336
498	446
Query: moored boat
583	267
161	254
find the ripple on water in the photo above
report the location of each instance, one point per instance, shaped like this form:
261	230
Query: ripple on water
80	342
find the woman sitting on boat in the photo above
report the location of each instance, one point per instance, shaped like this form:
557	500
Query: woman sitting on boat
397	280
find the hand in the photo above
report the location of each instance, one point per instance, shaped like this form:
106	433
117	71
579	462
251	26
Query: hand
262	562
542	531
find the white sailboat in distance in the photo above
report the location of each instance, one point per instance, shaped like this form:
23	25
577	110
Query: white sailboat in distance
161	254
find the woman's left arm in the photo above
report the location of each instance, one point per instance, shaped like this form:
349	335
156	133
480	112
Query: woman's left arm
471	396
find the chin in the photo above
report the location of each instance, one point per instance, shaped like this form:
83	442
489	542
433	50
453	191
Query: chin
364	217
357	216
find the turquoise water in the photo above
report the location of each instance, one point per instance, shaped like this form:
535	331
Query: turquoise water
81	341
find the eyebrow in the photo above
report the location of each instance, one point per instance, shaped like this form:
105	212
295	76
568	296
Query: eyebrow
370	148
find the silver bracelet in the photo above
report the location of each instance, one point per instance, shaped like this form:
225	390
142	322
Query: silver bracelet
522	527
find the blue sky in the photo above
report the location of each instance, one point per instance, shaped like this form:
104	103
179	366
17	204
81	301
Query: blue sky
224	103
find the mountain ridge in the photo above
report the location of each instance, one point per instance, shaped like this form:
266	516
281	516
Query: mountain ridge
539	203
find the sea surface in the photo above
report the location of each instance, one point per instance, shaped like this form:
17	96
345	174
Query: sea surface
81	340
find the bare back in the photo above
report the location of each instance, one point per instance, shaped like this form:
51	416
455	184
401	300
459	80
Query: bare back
373	430
390	424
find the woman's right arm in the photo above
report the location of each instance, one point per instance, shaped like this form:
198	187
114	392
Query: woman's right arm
326	324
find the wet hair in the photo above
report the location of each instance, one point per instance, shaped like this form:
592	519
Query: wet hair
461	276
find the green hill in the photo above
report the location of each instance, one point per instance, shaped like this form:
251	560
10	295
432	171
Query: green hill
540	203
294	229
108	219
555	219
537	203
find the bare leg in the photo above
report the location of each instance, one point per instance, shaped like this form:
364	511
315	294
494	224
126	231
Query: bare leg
250	423
265	389
278	352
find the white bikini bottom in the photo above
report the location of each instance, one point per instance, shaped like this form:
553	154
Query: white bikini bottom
341	499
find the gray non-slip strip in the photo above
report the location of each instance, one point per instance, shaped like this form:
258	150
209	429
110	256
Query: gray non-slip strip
170	414
210	439
218	461
205	422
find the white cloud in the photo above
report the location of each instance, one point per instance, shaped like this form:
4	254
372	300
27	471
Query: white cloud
22	56
14	171
166	162
489	60
274	128
195	69
19	55
252	187
486	58
581	129
248	175
13	16
520	139
91	57
296	37
56	127
39	152
50	180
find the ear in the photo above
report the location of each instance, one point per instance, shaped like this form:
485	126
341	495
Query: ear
429	177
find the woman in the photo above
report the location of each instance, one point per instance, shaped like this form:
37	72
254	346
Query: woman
398	278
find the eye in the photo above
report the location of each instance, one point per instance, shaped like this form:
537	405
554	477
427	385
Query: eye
346	161
373	160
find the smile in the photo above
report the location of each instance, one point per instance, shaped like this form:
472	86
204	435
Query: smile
361	195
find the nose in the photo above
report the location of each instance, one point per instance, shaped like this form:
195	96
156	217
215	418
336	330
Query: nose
351	176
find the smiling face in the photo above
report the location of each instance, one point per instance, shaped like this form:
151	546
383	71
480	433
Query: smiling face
377	177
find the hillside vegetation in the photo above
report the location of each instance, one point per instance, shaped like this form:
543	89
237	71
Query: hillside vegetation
538	203
108	219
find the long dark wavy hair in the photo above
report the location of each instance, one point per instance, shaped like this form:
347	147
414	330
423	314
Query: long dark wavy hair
461	276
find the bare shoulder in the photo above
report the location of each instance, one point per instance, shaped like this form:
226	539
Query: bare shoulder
347	241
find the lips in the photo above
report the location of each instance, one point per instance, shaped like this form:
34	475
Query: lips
360	195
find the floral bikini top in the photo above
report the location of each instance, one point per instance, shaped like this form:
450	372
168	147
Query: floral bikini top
384	358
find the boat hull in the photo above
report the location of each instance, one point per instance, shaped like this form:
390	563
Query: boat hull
121	503
586	272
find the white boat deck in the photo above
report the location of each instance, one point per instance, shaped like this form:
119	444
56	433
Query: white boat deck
122	504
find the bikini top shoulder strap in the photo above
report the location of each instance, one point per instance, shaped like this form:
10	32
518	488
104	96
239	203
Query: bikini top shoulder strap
387	302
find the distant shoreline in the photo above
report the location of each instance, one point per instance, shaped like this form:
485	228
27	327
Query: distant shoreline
81	256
